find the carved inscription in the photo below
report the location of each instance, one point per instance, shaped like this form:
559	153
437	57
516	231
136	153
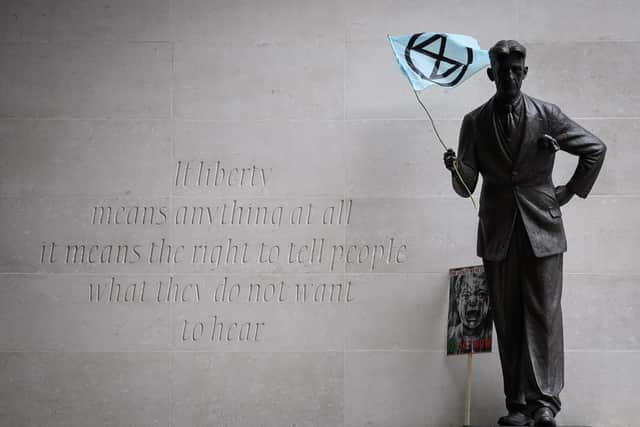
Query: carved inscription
223	247
201	173
227	291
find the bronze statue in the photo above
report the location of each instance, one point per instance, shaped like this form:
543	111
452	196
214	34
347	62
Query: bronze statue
511	140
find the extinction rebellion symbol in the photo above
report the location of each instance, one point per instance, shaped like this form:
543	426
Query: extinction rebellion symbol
446	63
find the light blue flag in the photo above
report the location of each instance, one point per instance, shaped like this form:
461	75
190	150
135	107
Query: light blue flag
438	58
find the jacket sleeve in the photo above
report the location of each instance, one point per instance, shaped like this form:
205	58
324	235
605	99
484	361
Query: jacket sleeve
576	140
466	159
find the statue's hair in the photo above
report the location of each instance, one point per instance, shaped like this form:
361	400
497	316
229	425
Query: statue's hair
505	48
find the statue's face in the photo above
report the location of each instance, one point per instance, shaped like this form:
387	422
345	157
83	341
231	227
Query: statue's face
507	73
473	304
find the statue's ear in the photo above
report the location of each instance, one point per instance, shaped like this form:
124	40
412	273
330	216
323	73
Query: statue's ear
526	70
490	74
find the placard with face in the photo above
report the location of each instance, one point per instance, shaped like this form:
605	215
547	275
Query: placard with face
469	328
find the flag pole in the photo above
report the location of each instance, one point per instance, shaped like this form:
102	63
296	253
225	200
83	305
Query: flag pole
467	390
433	125
455	166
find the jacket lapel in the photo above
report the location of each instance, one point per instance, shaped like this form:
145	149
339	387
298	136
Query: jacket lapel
530	132
490	130
498	141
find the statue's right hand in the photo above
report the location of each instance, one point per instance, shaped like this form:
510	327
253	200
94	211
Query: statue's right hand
449	159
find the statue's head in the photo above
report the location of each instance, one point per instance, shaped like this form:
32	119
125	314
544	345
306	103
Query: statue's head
508	68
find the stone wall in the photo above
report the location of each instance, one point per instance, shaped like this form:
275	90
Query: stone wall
233	213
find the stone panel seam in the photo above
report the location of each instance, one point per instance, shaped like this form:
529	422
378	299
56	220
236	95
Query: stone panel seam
10	118
82	41
168	351
302	273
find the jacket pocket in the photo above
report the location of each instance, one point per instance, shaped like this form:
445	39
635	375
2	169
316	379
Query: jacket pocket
555	212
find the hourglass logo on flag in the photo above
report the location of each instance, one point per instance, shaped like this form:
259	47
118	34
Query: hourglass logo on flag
438	58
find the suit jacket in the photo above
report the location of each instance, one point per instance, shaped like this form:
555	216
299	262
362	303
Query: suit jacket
523	185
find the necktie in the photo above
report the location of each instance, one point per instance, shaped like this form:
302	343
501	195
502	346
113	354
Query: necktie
511	130
511	122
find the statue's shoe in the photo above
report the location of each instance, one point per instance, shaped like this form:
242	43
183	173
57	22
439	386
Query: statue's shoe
515	419
543	417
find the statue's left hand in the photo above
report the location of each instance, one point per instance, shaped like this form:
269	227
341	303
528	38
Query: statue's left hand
563	194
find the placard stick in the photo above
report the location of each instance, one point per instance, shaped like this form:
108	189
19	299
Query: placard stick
467	392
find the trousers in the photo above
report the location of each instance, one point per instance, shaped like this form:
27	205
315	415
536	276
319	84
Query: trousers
525	294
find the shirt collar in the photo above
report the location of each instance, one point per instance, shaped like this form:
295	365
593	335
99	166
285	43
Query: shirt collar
513	106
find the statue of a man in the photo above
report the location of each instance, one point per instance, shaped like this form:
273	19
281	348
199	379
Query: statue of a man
511	140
